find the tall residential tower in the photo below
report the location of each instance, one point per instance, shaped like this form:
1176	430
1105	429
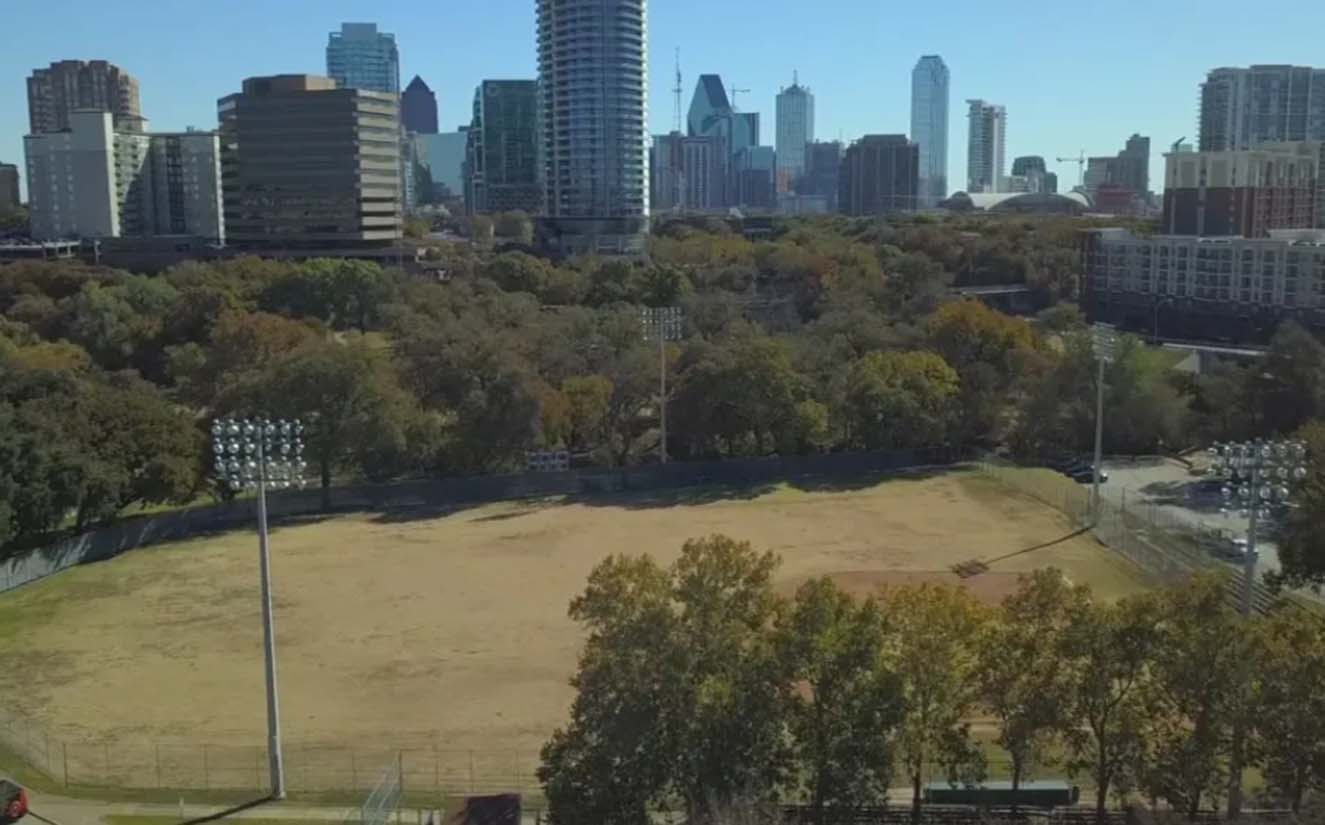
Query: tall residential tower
58	90
593	92
1241	108
929	126
795	129
986	148
361	57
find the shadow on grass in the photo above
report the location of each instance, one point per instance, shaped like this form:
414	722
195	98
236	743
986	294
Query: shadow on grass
229	812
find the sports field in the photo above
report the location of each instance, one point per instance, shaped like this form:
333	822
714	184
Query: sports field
414	629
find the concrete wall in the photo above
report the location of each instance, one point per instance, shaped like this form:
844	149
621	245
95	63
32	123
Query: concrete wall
107	543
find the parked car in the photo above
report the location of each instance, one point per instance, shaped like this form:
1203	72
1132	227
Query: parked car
1079	470
13	802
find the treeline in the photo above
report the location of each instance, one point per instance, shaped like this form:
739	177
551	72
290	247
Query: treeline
833	334
701	689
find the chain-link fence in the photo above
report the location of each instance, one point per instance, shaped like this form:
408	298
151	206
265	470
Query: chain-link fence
384	799
309	768
1159	541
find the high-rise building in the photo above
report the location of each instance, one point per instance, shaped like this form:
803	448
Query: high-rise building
361	57
439	171
185	183
1246	193
795	129
986	147
688	173
880	174
8	187
502	164
755	170
823	163
306	164
1051	183
1241	108
712	115
90	181
418	108
1125	175
1028	175
929	126
593	76
55	92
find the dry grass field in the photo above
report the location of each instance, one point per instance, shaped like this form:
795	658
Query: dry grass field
415	629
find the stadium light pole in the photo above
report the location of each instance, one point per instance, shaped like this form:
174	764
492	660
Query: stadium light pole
1103	341
253	454
662	324
1258	475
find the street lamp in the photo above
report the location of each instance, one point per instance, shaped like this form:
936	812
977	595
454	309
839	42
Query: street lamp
662	324
1258	475
1104	340
254	454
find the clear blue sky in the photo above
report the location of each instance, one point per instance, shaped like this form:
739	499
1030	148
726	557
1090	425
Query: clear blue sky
1073	75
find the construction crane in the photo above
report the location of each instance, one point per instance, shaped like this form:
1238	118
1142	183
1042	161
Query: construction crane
1080	161
735	92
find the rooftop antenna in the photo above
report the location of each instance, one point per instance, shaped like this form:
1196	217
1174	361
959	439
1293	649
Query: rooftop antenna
677	90
795	77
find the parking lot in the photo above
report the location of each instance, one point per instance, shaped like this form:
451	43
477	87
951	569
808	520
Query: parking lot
1165	489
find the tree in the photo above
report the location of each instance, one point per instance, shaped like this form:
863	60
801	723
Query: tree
1195	696
349	399
899	399
589	398
1289	705
934	649
679	691
1023	680
1291	388
843	715
1301	542
968	332
1107	651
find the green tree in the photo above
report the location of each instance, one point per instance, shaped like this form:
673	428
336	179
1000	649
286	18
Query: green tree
1107	650
679	690
1300	540
934	649
1022	676
1291	387
1289	704
1195	696
843	717
356	415
899	399
589	398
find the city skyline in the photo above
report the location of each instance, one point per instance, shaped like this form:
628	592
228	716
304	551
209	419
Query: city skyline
1074	104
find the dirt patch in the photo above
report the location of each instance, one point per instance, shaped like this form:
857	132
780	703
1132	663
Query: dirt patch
452	632
990	588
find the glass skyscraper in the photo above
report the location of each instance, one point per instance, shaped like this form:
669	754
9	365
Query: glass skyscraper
593	87
795	129
929	126
361	57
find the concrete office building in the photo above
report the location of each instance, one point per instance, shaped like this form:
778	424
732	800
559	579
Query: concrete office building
503	173
57	91
823	163
439	169
1242	108
593	85
418	108
880	174
1247	193
929	126
1217	288
795	129
9	199
1028	175
688	173
986	147
361	57
306	164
